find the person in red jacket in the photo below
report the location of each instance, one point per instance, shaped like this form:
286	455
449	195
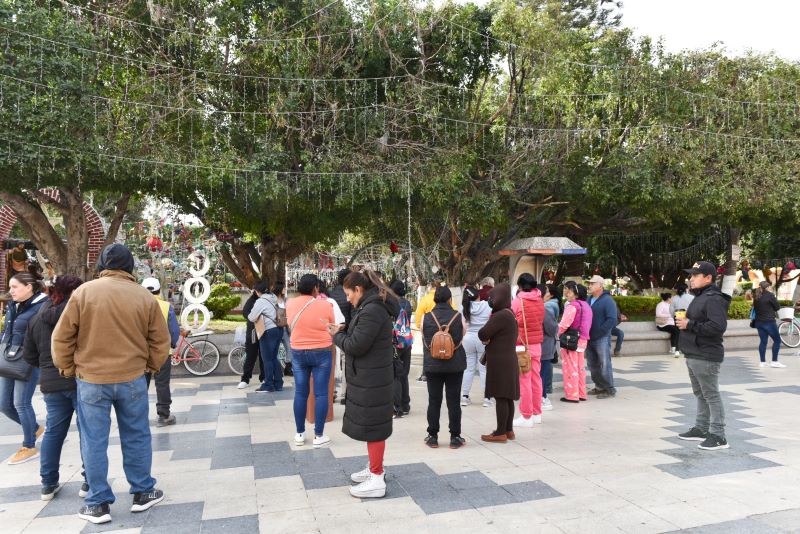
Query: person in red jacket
528	307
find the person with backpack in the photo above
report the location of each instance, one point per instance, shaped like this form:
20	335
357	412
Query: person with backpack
528	307
443	364
476	314
250	346
403	342
309	317
264	316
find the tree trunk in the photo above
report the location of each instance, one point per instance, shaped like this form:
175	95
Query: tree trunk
71	207
35	222
120	210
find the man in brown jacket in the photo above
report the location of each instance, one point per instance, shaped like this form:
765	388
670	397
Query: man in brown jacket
112	332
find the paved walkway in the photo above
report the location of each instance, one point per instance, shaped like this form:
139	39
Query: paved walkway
602	466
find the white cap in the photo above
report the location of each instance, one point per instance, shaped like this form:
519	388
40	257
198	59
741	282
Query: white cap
151	284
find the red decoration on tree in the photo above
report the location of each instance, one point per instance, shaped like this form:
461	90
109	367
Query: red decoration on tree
154	243
394	248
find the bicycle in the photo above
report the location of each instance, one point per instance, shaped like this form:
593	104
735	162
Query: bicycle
200	357
789	332
237	356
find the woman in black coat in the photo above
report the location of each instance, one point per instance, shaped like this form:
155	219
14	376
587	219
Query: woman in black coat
60	394
444	374
502	369
369	372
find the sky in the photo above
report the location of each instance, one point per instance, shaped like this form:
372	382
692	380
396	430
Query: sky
761	25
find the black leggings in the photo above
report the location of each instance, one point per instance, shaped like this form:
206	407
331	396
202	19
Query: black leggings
504	408
673	334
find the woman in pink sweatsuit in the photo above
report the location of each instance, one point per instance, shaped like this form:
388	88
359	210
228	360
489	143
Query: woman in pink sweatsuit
578	315
531	334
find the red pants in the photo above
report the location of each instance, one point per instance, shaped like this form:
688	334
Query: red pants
375	450
530	390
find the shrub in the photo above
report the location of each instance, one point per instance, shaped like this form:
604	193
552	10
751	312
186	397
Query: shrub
646	306
746	285
739	309
221	301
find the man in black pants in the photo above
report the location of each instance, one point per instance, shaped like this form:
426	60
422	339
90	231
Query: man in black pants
162	378
251	349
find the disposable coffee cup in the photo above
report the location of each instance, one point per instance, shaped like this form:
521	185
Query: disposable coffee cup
680	314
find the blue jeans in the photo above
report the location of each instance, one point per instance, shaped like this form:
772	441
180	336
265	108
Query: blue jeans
60	407
306	363
546	372
269	344
616	331
766	330
15	403
130	403
598	358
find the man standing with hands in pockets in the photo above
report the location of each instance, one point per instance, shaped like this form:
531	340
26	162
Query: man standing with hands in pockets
702	327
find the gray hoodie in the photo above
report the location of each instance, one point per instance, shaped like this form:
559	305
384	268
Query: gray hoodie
479	316
266	305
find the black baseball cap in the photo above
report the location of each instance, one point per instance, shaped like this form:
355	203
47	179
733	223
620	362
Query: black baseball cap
706	268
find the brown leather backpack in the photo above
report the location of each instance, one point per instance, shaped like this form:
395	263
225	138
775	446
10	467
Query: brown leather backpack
442	346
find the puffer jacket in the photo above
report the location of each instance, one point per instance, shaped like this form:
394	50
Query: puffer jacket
534	316
37	348
708	321
369	368
18	315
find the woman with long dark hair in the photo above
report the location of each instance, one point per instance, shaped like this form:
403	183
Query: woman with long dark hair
369	370
16	392
528	307
60	393
476	313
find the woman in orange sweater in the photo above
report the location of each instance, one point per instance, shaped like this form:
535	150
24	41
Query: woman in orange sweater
310	343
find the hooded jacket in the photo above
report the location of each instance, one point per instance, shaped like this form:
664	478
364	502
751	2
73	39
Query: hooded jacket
604	316
369	367
267	306
532	303
708	320
37	348
501	332
111	331
549	329
479	313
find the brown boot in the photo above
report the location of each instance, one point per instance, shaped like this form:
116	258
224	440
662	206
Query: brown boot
511	435
502	438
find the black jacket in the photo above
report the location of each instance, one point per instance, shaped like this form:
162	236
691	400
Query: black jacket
708	320
444	313
369	368
337	294
37	348
766	306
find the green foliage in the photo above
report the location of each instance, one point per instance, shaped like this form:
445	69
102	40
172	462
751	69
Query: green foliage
221	301
634	305
739	309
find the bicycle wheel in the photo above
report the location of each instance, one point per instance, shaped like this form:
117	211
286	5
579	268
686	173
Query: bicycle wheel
790	333
202	358
236	358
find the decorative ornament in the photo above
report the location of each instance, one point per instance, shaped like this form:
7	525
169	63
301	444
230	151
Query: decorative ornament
155	244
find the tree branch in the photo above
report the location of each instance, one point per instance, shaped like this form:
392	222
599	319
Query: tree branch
120	210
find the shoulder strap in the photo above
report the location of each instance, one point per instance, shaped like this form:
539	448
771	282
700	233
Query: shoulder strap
524	322
297	317
447	327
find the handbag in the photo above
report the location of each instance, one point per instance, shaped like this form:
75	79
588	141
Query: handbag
280	316
523	356
11	363
753	317
569	339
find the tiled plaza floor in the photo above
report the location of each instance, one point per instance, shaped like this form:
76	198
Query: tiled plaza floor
602	466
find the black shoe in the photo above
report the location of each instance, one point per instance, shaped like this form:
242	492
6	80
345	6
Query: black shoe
606	395
48	492
342	402
694	434
84	491
595	391
432	441
617	352
166	421
406	412
456	442
713	443
422	379
564	399
96	513
146	500
397	414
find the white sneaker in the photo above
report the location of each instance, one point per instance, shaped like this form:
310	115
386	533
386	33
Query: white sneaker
465	400
242	385
319	441
522	422
372	488
546	404
299	439
673	350
361	476
779	365
488	403
762	364
676	354
537	419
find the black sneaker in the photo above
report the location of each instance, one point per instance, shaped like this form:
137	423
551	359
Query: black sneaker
146	500
397	414
84	491
606	395
595	391
166	421
432	441
456	442
694	434
96	513
48	492
713	443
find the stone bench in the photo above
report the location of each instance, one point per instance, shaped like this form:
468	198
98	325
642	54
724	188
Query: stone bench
643	337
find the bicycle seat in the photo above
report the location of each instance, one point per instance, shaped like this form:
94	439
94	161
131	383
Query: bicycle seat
204	333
